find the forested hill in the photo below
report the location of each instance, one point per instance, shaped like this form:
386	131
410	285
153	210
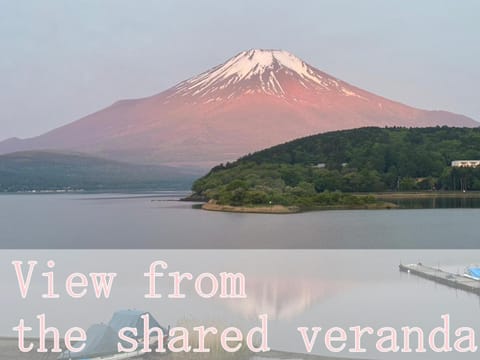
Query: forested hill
359	160
53	170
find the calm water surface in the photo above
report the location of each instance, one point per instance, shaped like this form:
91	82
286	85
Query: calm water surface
294	288
348	276
157	221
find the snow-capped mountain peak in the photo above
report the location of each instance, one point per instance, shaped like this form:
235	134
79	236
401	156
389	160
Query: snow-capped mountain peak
256	99
259	71
257	61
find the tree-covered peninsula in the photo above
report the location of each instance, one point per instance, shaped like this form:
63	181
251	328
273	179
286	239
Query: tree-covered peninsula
325	169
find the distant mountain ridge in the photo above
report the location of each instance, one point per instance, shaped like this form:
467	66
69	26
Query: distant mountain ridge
51	171
256	99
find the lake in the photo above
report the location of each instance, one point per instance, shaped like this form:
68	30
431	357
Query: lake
325	268
323	288
93	221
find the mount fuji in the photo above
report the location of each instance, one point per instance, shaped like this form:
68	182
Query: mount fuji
257	99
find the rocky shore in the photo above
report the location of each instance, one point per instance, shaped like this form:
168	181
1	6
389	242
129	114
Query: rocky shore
273	209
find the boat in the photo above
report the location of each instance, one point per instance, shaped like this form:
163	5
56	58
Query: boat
472	272
103	339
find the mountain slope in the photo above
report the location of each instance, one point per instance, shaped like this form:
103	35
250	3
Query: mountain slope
46	170
256	99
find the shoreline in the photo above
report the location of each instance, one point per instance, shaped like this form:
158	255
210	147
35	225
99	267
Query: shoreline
281	209
274	209
384	202
9	350
425	195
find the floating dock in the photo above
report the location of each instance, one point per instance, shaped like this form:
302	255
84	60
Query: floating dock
456	281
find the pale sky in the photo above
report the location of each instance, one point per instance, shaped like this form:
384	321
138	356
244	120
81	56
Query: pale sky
63	59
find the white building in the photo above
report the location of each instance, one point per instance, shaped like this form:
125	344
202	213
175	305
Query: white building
466	163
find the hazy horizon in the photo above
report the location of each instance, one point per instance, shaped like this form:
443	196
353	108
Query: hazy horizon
67	60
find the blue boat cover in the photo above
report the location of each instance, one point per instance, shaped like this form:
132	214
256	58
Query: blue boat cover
103	339
474	271
133	319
